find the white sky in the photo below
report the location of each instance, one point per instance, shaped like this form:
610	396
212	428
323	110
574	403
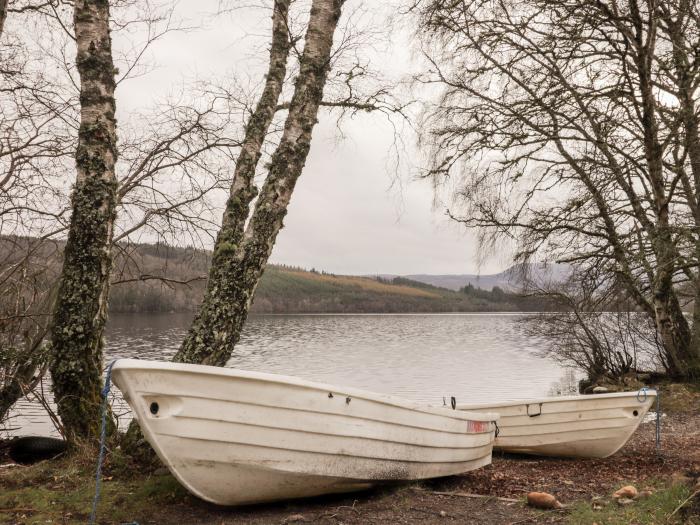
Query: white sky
346	216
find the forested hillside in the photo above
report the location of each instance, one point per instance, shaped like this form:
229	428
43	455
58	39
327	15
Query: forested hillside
160	278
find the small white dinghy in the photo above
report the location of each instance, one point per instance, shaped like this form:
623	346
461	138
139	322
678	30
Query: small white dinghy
589	426
234	437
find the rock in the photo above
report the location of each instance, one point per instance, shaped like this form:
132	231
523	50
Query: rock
627	492
294	518
443	514
543	500
600	390
625	501
161	471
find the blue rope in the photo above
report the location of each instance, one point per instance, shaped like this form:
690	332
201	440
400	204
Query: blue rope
642	390
103	436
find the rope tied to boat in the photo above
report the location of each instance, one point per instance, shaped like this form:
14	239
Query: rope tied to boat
103	438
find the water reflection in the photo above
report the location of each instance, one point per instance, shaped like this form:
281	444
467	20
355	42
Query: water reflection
474	357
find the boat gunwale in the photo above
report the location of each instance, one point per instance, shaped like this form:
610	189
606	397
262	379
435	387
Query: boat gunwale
126	364
651	395
505	417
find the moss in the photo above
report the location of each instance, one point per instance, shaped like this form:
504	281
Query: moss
224	249
653	510
70	500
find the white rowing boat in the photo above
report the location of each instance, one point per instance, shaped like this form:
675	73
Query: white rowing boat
234	437
590	426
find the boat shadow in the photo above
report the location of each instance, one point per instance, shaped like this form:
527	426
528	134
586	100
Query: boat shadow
327	503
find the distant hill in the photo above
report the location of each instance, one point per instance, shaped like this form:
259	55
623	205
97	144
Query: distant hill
285	290
510	279
160	278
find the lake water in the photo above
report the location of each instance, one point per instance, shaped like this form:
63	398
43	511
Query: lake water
424	357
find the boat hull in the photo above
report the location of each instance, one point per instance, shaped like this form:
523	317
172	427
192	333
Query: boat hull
233	437
591	426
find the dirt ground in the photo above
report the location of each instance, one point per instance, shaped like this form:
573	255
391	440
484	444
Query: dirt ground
502	487
508	477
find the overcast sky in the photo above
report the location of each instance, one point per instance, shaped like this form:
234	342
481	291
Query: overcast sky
349	213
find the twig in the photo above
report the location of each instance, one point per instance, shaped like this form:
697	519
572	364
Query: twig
467	495
521	521
679	507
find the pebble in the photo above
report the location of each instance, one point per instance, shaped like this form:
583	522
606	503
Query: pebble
627	492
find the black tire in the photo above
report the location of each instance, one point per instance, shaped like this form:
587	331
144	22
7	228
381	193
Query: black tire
31	449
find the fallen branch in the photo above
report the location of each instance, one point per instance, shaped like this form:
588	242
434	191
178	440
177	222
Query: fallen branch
521	521
468	495
679	507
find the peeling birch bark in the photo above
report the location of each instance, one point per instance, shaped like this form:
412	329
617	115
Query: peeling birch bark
238	264
80	309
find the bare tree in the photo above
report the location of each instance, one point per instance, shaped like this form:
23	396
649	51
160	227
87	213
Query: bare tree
167	169
241	251
222	285
81	305
563	123
596	331
26	282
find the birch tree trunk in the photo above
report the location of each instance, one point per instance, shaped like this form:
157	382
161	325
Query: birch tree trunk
240	256
80	310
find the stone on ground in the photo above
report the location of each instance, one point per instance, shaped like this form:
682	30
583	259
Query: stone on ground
543	500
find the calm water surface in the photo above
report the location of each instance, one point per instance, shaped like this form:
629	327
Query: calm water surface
474	357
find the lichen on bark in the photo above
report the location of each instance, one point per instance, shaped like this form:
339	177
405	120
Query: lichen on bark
81	304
